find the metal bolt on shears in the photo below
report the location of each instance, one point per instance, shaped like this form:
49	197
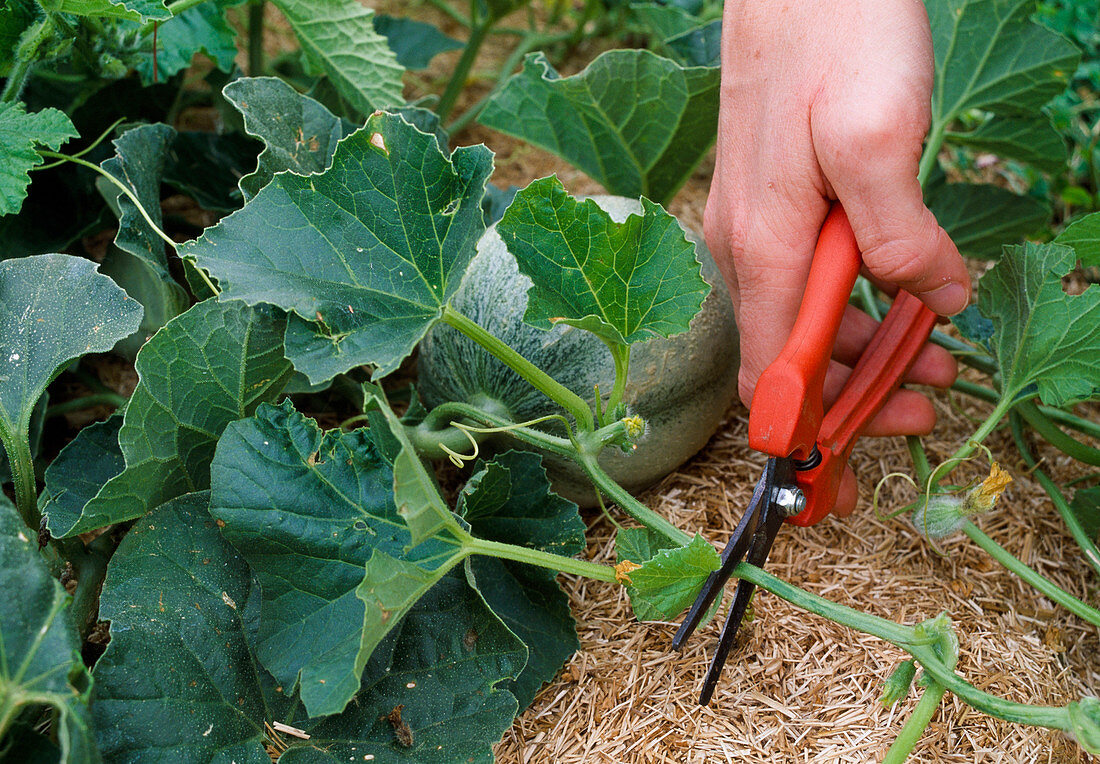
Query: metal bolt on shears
808	446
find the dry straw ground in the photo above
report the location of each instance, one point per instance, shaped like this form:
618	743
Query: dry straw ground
799	688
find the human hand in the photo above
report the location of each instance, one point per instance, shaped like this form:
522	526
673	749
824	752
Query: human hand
824	100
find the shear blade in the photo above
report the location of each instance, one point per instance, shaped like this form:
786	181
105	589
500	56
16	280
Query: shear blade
752	541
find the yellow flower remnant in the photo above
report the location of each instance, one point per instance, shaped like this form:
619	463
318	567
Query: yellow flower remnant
982	497
622	571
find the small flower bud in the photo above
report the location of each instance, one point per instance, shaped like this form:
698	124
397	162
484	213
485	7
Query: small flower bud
942	514
635	426
939	516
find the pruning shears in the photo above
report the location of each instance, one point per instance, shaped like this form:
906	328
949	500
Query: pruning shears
809	447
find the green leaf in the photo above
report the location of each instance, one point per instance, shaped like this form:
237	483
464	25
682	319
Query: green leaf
639	545
319	548
1033	140
626	282
1042	336
206	368
1086	506
365	255
415	43
299	134
664	21
201	29
680	34
82	468
443	666
139	264
39	648
134	10
669	581
20	135
178	675
53	309
633	121
339	41
105	9
699	47
981	219
509	500
1084	236
990	55
973	325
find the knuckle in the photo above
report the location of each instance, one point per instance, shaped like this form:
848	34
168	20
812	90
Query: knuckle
896	263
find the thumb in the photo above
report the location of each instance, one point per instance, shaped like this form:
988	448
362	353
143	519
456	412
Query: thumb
899	237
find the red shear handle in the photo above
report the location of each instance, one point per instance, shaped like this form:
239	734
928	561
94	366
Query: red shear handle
880	370
787	409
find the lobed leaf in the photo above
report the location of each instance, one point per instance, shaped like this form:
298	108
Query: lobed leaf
203	28
365	255
1084	236
1033	140
40	660
438	675
680	34
990	55
143	10
82	468
315	516
668	581
626	282
981	219
509	500
1042	336
139	264
178	679
633	121
415	43
339	41
299	134
206	368
20	135
53	309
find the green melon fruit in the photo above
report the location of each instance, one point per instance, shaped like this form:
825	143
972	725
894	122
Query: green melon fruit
681	386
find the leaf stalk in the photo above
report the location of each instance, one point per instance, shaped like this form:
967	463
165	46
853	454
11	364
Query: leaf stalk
538	378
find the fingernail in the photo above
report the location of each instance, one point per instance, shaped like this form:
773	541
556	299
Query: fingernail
948	300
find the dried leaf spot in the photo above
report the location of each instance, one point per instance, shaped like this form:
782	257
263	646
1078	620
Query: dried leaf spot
622	571
469	639
312	459
220	523
228	600
379	142
401	730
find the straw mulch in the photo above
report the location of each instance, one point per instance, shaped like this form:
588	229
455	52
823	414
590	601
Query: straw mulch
798	687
